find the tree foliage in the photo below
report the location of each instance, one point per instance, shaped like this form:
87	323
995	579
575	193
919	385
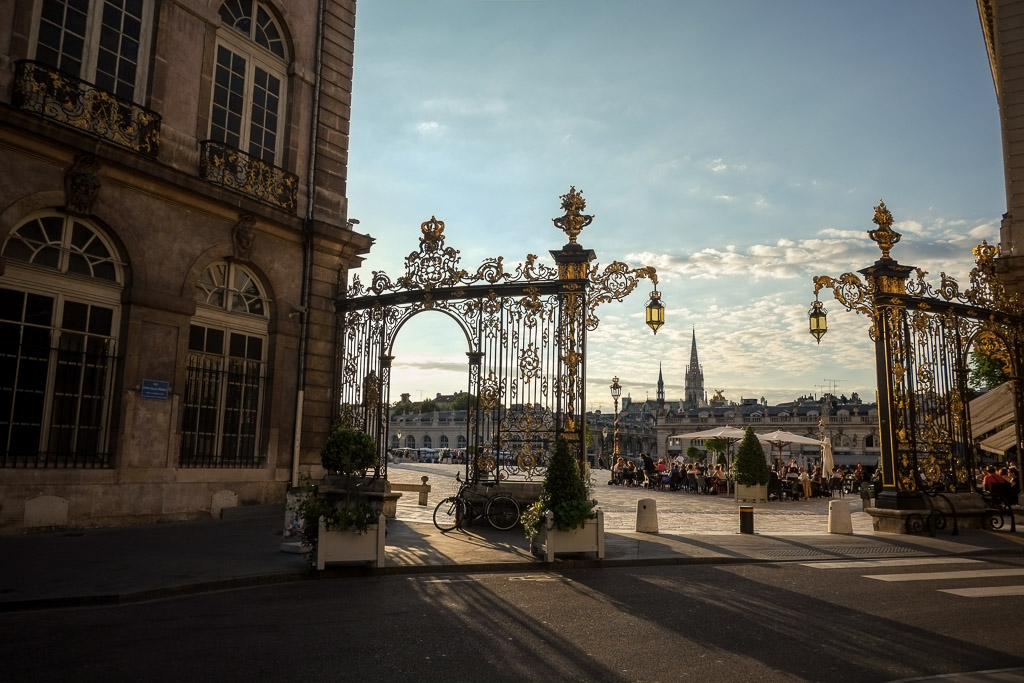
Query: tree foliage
988	370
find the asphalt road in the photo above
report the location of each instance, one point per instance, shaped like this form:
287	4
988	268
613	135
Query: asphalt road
846	621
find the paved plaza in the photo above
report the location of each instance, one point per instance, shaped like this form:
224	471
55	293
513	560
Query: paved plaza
678	512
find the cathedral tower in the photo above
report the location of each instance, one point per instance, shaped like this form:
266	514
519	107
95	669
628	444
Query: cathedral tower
694	386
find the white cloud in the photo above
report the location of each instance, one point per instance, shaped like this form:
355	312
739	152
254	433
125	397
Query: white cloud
723	197
428	127
464	106
835	251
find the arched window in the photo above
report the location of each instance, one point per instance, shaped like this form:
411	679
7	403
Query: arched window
227	346
410	441
870	441
60	310
248	81
100	41
394	441
427	443
460	441
443	441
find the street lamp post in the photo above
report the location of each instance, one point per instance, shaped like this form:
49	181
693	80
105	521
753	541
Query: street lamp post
604	446
616	393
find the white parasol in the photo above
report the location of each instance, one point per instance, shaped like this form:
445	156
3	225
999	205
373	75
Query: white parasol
729	435
781	438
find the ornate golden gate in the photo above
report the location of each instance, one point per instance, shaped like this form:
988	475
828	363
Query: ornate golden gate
923	337
526	336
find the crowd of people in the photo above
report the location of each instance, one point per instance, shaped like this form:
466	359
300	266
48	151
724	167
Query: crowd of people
787	481
1002	482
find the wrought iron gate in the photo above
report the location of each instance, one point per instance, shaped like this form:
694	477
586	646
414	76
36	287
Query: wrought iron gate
525	332
923	338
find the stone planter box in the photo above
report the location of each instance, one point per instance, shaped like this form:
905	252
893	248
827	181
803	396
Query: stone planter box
549	541
351	546
758	493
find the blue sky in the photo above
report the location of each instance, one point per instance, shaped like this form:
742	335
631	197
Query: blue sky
737	146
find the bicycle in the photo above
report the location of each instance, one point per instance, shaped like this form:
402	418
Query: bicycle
455	512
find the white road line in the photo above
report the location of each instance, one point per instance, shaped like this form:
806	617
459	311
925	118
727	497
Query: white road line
986	592
937	576
901	562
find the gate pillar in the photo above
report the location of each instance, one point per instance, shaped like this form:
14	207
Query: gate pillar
573	265
894	368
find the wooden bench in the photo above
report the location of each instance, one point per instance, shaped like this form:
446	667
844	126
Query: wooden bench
422	489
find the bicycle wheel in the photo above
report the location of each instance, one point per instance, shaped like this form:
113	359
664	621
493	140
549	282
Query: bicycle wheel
449	513
502	512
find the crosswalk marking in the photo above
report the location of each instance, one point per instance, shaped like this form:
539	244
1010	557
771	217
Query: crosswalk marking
973	592
935	576
900	562
985	592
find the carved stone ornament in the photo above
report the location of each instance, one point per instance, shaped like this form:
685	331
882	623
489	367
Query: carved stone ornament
242	237
82	184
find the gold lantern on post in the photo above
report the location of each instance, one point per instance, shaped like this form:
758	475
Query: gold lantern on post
817	319
655	311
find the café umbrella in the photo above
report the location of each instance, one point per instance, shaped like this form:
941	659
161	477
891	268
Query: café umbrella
728	435
779	439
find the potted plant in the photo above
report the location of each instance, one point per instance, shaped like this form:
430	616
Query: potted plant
343	527
564	519
750	471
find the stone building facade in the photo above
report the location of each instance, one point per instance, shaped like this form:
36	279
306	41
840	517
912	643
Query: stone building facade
174	228
1002	23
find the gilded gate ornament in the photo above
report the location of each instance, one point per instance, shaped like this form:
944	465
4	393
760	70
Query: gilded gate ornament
924	337
526	329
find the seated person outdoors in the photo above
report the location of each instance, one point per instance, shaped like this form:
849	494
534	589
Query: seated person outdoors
631	475
836	481
992	478
996	483
618	470
674	479
774	485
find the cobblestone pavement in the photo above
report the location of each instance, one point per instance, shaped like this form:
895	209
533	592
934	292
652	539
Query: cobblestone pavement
678	512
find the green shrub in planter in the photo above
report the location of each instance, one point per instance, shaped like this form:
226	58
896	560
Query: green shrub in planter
349	452
749	467
564	492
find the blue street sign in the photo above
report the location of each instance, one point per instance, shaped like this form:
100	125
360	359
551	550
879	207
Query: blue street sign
155	390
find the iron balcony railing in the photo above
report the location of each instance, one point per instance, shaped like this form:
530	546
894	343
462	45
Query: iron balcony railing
60	97
233	168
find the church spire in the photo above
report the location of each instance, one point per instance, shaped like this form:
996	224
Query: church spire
694	382
661	387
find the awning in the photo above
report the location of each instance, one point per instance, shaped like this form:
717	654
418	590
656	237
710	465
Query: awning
1001	441
992	411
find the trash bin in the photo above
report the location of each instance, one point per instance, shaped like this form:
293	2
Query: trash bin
746	519
867	492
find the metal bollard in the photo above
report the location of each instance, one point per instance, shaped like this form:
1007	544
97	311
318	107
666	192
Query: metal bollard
746	519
